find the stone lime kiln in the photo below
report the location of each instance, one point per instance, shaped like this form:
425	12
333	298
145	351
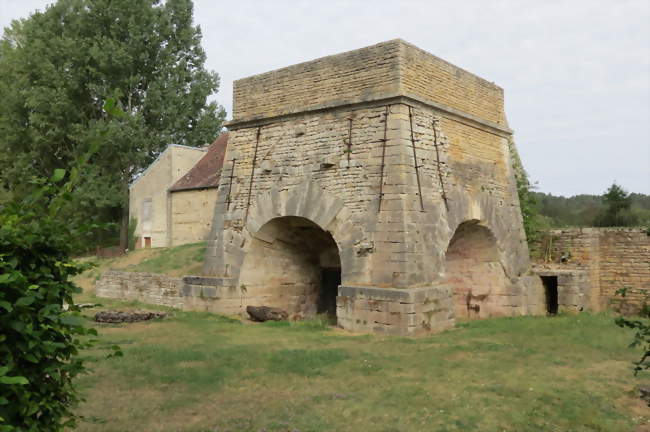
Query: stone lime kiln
375	186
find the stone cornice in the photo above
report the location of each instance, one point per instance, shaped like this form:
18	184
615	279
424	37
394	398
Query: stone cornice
406	99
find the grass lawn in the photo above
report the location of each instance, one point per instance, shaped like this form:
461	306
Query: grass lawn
203	372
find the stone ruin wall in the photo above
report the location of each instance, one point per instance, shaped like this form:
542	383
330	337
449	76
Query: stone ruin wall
319	129
614	258
150	288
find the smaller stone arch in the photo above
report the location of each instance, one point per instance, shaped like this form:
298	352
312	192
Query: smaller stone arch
474	270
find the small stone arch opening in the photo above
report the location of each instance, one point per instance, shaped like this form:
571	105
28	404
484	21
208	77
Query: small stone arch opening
475	273
293	264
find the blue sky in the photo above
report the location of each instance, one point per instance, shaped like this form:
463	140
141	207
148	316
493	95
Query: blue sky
576	74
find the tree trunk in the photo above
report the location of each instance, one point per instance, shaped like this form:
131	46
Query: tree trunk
124	228
124	222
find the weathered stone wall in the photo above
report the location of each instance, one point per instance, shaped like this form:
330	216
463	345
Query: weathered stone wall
191	215
390	166
217	295
189	292
431	78
613	257
477	187
625	262
395	311
387	69
355	76
148	288
152	187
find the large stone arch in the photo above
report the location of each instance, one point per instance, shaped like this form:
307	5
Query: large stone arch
229	244
293	264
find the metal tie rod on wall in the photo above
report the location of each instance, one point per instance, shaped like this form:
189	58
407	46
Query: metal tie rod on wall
349	143
232	175
435	145
383	159
250	183
415	160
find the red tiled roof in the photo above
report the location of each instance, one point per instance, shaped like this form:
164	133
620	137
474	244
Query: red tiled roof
205	174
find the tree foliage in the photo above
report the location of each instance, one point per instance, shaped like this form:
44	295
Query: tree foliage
56	69
641	327
617	211
527	200
583	210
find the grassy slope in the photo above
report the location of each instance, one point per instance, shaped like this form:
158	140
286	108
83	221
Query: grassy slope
177	261
203	372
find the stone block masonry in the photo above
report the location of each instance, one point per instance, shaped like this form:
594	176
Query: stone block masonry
613	258
187	293
147	288
404	311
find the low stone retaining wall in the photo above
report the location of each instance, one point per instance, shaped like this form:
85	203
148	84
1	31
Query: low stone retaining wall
148	288
218	295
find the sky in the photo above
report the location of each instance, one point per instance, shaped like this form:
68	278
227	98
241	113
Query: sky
576	73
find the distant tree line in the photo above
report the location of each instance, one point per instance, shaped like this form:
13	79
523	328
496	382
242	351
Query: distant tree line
615	208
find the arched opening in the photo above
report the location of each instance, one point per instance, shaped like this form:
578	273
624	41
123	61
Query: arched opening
294	265
475	273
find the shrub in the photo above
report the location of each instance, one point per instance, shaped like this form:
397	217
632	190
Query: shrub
39	339
41	330
641	326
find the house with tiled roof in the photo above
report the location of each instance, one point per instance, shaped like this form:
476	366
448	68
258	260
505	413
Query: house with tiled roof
193	196
173	200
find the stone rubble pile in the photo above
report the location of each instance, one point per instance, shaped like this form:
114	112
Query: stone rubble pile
129	317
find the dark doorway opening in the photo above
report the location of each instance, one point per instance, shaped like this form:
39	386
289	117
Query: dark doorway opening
147	242
329	287
550	289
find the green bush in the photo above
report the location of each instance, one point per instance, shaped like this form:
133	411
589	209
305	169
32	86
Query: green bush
41	330
39	338
641	327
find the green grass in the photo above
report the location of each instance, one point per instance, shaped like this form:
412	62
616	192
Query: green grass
169	259
204	372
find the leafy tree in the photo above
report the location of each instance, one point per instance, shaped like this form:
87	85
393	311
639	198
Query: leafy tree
56	69
527	201
618	209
